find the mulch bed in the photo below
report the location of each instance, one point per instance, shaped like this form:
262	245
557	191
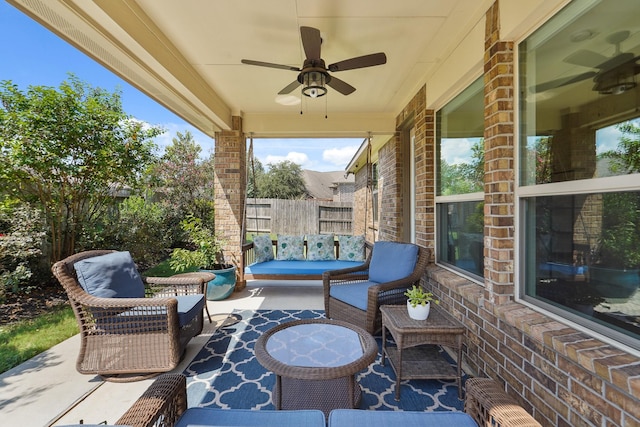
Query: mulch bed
33	304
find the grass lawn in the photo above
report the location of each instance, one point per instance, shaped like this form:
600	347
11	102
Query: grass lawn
21	341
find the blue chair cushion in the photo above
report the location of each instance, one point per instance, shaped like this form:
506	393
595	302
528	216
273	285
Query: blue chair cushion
202	417
189	307
112	275
392	261
151	319
354	417
354	294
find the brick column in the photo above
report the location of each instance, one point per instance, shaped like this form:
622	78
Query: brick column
499	165
230	191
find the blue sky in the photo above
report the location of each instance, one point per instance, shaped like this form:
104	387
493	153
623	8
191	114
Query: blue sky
32	55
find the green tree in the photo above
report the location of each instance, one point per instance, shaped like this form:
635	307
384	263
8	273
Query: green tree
255	176
626	157
185	179
282	181
68	151
463	178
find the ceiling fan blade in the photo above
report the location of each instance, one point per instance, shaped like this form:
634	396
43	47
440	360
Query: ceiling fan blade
269	65
311	42
617	61
552	84
289	88
341	86
586	58
359	62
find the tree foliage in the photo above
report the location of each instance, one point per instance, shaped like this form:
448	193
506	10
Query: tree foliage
68	151
626	156
282	181
463	178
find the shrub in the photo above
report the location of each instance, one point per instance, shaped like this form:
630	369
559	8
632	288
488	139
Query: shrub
21	242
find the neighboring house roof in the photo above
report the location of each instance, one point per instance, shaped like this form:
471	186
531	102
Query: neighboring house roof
320	185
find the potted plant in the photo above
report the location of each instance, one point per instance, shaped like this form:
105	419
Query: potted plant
204	253
419	302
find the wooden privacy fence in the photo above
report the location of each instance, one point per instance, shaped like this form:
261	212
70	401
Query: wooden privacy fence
280	216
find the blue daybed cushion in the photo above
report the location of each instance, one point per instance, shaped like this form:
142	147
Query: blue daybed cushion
298	267
392	261
201	417
112	275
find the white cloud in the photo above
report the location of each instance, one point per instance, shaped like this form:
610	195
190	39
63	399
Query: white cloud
456	150
339	156
298	158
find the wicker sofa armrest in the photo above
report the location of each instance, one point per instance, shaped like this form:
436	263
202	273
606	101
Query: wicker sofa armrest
161	404
490	406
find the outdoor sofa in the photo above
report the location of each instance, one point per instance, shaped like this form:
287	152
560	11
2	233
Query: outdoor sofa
165	403
301	257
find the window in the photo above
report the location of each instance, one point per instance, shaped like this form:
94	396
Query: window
579	190
460	181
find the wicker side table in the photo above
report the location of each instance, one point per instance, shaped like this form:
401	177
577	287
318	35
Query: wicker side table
412	358
315	362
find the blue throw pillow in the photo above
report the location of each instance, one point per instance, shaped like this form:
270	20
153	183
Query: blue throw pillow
112	275
392	261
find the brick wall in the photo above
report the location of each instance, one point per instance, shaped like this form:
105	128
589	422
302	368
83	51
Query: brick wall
390	168
230	190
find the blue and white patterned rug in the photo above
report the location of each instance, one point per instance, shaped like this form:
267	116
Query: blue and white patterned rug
226	374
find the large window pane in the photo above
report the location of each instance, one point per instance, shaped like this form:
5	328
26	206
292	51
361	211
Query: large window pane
460	143
585	256
461	226
578	75
460	173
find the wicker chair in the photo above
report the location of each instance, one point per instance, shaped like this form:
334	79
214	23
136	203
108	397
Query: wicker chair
490	406
129	339
377	293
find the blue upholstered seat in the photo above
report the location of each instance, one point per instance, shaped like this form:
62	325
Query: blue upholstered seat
354	417
279	267
197	417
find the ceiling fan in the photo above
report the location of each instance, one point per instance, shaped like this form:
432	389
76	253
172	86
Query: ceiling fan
615	74
314	75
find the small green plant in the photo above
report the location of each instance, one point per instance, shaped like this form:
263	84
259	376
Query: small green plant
417	295
206	252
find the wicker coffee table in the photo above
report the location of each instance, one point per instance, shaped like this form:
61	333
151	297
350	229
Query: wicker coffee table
413	357
315	362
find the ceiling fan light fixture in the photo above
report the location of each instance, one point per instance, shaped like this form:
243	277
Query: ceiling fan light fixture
314	84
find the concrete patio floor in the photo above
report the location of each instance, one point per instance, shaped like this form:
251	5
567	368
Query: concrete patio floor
48	391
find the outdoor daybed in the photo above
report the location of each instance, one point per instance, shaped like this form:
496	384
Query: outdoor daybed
165	400
300	257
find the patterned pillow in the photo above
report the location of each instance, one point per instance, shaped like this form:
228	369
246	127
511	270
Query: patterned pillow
351	248
290	248
320	247
262	247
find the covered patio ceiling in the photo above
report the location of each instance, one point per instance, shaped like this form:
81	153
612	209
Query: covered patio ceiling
187	55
